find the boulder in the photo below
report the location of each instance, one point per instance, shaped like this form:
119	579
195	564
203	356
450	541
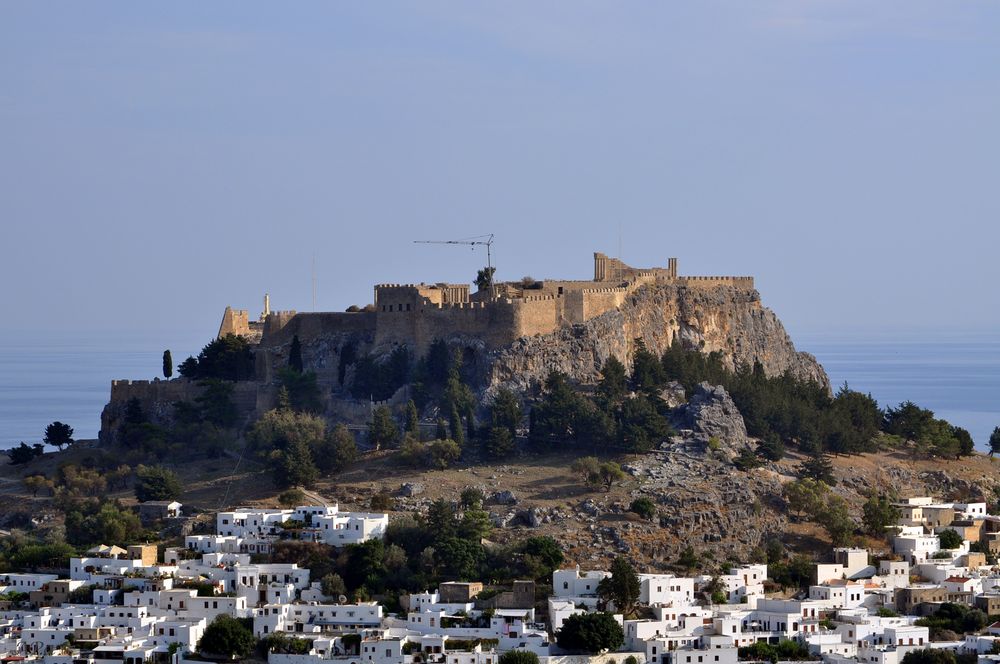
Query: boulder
411	489
502	498
711	413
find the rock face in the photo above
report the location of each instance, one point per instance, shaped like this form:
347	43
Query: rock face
711	413
727	319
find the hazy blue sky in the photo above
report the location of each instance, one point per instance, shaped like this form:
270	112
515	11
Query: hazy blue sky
161	160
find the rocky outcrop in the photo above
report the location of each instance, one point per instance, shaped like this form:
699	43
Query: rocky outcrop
727	319
711	413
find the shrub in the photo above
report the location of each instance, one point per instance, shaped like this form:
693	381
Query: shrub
644	507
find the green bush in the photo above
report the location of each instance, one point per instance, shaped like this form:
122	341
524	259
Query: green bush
644	507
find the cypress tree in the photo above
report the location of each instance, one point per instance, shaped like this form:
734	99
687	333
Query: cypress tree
412	417
470	422
455	424
442	430
168	364
295	354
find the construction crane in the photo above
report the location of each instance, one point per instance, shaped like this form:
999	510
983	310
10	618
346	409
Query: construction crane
473	242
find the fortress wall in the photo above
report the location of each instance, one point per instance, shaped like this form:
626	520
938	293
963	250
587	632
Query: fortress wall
406	296
275	321
711	282
179	389
496	323
308	325
158	397
597	301
531	316
235	321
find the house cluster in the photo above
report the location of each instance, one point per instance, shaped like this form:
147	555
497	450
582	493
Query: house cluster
254	530
131	607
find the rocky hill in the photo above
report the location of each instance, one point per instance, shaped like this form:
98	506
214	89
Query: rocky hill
726	319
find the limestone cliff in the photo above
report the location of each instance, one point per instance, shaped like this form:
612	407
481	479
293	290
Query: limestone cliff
725	318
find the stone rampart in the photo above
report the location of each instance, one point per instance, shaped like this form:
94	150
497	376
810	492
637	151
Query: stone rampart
493	323
311	324
711	282
158	397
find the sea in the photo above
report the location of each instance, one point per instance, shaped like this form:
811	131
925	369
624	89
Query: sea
67	376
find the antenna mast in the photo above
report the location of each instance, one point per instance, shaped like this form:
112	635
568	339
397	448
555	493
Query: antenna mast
314	281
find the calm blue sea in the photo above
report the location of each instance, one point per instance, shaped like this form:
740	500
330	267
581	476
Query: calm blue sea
67	377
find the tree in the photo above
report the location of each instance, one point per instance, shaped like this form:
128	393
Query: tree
156	483
499	443
505	411
642	426
610	473
878	513
590	632
688	560
455	425
835	517
412	418
614	383
58	434
382	431
644	507
819	468
442	520
805	496
544	551
333	586
337	451
227	358
302	390
227	636
24	453
442	453
216	403
291	497
966	446
475	525
295	355
484	278
36	483
647	371
772	447
622	587
950	539
293	465
995	441
168	364
589	469
518	657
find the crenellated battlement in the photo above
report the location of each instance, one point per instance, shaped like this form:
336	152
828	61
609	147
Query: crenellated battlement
742	282
415	314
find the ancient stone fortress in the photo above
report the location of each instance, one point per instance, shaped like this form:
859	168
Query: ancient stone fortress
415	315
511	334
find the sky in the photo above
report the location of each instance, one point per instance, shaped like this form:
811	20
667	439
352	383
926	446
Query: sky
159	161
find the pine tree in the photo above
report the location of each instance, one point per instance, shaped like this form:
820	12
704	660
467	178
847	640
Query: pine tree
295	354
412	417
382	431
995	441
818	468
168	364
